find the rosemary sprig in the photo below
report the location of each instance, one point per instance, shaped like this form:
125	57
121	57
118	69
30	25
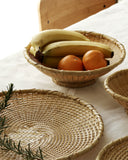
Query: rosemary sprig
7	96
3	105
8	144
2	124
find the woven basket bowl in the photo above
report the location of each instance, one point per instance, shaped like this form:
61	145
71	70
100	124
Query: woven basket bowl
117	86
116	150
63	126
83	78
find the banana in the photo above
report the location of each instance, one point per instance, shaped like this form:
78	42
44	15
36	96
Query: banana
78	48
52	35
52	61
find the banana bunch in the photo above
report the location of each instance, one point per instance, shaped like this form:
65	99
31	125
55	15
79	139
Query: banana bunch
52	45
53	35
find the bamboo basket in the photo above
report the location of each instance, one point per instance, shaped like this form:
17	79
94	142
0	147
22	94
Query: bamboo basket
82	78
64	127
116	150
117	86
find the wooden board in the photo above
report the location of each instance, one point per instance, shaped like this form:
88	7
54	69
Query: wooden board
62	13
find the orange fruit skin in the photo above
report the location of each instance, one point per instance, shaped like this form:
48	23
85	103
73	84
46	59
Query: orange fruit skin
94	59
71	62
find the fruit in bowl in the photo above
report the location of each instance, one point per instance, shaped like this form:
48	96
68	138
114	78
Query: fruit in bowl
71	62
48	48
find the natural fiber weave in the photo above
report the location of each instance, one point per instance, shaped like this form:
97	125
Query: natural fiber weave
63	126
117	150
117	85
83	78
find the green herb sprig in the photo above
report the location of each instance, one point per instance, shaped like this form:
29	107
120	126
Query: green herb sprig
2	124
8	144
7	96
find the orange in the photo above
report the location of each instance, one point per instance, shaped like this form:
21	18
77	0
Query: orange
94	59
71	62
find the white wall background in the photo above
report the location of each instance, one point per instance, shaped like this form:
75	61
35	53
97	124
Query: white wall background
18	22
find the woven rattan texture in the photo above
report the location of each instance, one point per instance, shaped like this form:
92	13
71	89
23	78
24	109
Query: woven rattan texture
63	126
117	150
117	85
83	78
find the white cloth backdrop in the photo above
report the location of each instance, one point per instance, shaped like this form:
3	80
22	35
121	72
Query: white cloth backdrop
113	22
18	23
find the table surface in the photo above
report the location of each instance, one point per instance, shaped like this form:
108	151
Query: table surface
113	22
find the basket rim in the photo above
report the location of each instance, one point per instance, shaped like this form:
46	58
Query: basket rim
109	90
104	36
107	146
78	100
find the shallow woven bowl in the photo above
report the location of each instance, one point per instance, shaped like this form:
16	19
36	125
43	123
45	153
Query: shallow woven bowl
117	86
83	78
63	126
116	150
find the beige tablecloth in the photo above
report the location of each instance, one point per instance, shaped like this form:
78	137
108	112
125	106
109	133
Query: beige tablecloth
113	22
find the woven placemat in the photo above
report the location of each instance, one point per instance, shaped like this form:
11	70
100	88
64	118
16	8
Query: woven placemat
117	150
63	126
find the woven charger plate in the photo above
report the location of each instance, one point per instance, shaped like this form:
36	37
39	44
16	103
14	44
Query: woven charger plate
63	126
82	78
117	150
117	86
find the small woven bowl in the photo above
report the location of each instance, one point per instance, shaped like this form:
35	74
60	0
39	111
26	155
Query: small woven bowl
116	150
117	86
82	78
64	127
